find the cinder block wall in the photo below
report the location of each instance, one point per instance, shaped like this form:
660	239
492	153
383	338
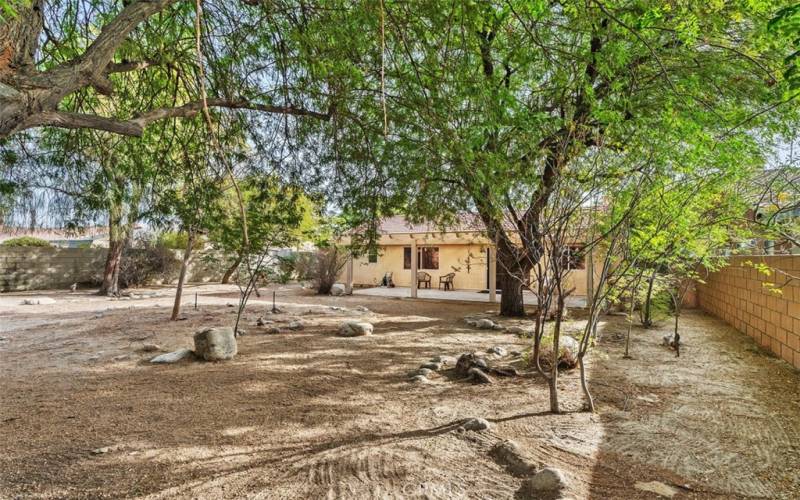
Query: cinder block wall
42	268
736	295
36	268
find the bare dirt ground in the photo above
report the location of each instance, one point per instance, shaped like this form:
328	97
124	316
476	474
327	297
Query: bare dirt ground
308	414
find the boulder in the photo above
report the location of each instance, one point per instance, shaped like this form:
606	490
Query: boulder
215	344
150	348
33	301
273	329
362	309
173	357
419	379
467	361
484	324
425	372
498	326
477	424
295	326
516	330
548	480
509	454
355	329
337	290
479	376
497	351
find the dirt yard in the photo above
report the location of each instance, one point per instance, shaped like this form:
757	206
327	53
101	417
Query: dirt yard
307	414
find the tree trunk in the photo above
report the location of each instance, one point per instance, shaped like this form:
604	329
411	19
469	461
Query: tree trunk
553	382
187	253
226	278
511	301
110	285
647	320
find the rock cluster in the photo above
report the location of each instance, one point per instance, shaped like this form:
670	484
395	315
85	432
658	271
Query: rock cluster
478	369
210	344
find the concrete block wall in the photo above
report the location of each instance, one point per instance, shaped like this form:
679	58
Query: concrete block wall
736	295
42	268
32	268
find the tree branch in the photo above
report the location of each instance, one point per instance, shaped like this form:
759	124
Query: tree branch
135	126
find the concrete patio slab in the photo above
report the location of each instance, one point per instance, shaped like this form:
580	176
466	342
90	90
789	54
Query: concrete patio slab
452	295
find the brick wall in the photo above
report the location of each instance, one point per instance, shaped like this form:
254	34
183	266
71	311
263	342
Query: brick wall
736	295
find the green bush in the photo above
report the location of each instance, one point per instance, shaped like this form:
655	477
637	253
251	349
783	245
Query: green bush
175	240
26	241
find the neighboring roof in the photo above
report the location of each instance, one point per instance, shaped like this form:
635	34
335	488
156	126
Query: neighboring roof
54	234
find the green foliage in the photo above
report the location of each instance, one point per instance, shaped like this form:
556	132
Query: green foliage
175	240
26	241
786	23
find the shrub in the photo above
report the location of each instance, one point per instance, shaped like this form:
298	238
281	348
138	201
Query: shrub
146	262
328	264
284	269
304	265
26	241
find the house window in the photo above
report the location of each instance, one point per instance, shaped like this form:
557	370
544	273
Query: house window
372	256
573	257
427	258
430	258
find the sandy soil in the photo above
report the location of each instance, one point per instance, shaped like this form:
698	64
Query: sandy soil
311	415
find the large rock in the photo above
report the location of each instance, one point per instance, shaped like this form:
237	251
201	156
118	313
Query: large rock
479	376
547	480
337	289
173	357
484	324
476	424
510	454
215	344
355	329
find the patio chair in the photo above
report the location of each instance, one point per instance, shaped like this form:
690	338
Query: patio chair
447	281
423	278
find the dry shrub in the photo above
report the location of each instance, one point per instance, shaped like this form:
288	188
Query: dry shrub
327	266
567	353
147	263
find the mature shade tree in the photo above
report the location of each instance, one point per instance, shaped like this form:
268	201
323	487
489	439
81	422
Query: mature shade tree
51	50
488	104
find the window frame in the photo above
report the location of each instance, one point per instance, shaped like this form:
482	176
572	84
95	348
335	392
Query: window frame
433	255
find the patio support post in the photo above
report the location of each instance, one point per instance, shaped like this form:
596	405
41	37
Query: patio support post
413	268
492	256
348	287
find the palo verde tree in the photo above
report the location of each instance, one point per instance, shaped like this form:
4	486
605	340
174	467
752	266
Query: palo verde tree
483	106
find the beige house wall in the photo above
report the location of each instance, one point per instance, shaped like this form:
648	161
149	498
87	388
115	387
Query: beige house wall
736	295
467	260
